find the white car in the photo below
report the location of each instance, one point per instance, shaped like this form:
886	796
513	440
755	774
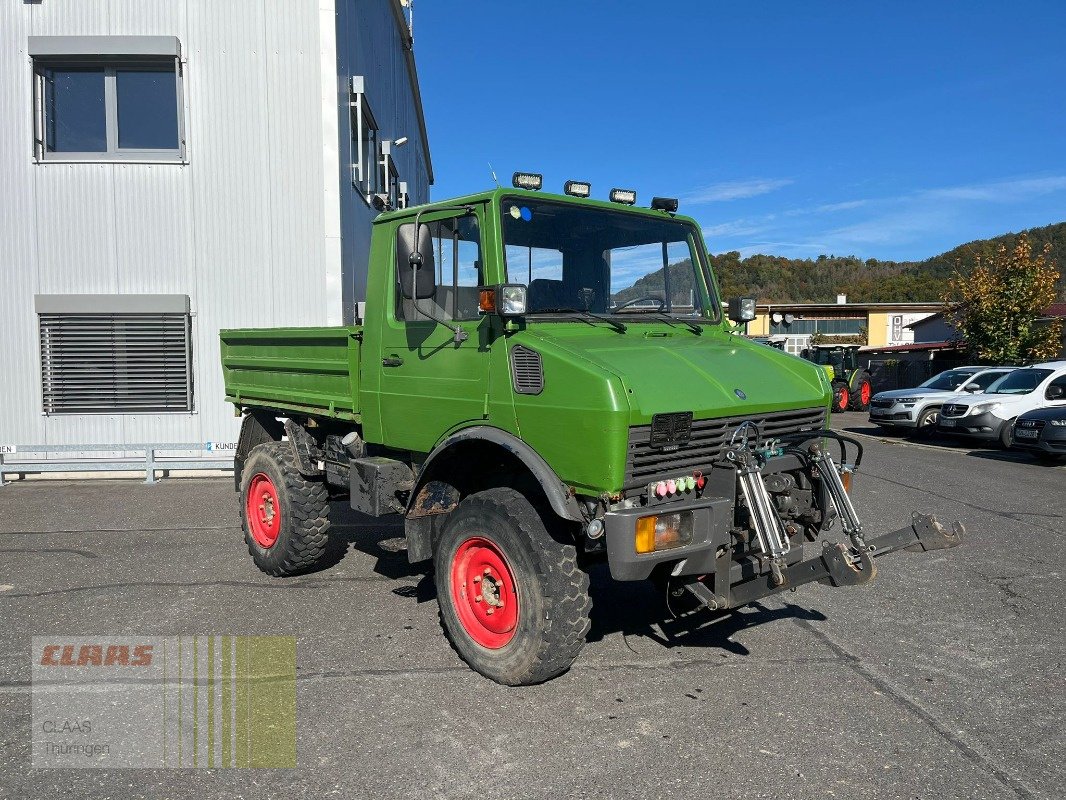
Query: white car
990	416
918	408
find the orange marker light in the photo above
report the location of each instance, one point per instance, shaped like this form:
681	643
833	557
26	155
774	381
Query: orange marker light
487	300
645	539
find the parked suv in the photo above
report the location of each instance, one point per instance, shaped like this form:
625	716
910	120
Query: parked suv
919	408
991	416
1042	433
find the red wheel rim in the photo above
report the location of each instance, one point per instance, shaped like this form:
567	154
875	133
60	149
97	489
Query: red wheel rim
484	594
864	393
844	397
263	510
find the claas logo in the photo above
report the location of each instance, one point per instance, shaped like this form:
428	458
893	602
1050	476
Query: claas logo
96	655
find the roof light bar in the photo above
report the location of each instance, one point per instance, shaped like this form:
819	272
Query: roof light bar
627	197
527	180
668	204
577	188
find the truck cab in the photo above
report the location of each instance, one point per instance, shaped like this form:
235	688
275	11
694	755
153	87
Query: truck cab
537	382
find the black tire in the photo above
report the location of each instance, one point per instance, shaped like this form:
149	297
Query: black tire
856	403
552	592
926	424
841	398
1006	434
303	530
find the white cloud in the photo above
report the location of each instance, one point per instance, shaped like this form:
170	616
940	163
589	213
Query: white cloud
735	190
736	227
1001	191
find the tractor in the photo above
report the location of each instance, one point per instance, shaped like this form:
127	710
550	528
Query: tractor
851	382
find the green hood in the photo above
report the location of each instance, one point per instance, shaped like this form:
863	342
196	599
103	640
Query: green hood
716	374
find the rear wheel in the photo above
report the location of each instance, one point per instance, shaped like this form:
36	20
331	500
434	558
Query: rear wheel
841	397
860	398
285	516
513	602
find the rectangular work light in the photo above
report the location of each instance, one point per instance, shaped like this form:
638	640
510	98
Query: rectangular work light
626	197
577	188
527	180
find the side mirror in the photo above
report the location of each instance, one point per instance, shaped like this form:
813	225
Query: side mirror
742	309
972	388
1055	392
414	263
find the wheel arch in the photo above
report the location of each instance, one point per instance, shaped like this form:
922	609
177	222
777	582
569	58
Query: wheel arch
470	460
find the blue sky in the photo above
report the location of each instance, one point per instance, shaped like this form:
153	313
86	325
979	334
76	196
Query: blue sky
790	128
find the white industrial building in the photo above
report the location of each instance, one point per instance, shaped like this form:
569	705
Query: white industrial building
173	167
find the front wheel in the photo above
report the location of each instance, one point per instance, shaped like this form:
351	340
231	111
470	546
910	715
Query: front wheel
860	398
513	602
1006	434
841	398
926	424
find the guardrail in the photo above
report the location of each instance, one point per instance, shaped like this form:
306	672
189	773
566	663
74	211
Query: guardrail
149	463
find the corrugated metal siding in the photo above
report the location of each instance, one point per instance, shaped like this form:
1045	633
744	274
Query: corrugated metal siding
241	229
369	44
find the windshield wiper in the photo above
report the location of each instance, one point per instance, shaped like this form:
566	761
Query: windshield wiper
618	326
695	327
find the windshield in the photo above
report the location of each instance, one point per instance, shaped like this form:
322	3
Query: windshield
1021	381
949	381
576	258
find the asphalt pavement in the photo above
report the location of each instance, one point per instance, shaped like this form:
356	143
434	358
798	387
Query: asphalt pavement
942	679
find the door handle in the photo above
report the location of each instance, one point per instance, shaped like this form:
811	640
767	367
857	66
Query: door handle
391	362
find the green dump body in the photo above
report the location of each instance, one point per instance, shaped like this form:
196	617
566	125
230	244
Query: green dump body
314	371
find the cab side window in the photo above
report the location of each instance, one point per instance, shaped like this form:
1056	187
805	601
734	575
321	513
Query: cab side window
1056	390
457	270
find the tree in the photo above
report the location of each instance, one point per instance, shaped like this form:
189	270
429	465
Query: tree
996	306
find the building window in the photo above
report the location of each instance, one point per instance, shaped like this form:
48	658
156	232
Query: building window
95	104
366	174
115	354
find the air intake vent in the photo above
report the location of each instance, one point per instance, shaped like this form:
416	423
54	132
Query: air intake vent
527	372
115	363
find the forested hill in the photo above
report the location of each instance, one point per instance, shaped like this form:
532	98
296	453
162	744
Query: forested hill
777	279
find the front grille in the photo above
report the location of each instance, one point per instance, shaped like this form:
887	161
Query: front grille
882	403
646	464
1035	424
954	410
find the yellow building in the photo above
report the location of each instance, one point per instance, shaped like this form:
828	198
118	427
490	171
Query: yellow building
885	324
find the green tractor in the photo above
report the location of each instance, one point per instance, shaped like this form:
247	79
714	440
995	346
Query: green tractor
851	382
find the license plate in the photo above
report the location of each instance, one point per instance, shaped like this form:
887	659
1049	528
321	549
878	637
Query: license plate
878	412
947	423
1026	433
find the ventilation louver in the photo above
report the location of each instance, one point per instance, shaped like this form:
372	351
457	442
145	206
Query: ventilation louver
115	363
527	372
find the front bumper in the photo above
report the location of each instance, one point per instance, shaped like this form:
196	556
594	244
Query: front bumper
894	417
711	521
978	426
1050	440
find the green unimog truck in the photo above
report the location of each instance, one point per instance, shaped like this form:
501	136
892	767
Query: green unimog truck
538	382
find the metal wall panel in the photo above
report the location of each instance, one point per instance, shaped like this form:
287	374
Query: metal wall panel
20	401
369	44
245	228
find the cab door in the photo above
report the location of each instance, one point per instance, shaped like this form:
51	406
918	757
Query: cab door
429	382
